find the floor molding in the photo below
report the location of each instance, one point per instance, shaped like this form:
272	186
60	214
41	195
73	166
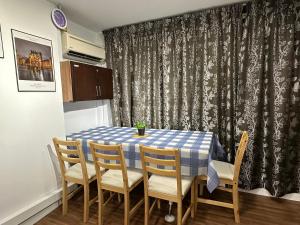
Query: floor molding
37	210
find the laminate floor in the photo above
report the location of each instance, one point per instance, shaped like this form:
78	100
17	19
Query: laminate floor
254	210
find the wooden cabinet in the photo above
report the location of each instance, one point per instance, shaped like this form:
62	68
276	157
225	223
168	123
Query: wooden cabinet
82	82
105	83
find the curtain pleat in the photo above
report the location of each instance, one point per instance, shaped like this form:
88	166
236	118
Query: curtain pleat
223	70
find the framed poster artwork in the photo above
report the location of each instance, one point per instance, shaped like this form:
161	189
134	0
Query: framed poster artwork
1	45
34	62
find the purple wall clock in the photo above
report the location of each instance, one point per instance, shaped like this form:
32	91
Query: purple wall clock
59	19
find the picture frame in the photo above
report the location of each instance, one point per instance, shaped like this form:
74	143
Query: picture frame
34	62
1	45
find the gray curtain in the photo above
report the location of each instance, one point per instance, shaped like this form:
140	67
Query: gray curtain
224	70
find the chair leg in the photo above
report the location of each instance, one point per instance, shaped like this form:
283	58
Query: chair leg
179	213
126	208
100	207
119	198
65	197
235	197
146	209
193	198
158	203
196	195
86	203
201	190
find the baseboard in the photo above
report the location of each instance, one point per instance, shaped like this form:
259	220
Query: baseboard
41	214
37	210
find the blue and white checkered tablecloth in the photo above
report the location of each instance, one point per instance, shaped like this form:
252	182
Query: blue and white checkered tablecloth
196	147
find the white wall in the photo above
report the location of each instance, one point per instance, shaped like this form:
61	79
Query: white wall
87	114
28	121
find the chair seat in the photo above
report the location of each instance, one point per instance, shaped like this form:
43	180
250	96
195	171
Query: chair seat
115	177
168	185
75	171
224	170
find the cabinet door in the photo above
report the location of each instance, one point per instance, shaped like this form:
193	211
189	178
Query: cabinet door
84	82
105	83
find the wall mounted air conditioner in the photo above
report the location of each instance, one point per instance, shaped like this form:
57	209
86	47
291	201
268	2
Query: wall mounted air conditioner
76	48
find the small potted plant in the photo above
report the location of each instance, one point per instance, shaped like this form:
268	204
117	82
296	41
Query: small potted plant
140	126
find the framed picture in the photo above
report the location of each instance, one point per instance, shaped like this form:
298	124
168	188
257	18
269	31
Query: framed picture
1	45
34	62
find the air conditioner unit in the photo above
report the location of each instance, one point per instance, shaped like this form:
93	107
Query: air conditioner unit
76	48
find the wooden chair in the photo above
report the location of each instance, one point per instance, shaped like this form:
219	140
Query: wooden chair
229	176
117	179
166	184
81	172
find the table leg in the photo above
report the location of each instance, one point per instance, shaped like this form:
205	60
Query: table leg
170	217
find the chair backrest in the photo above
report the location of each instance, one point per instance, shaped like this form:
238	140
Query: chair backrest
240	154
155	159
71	152
109	157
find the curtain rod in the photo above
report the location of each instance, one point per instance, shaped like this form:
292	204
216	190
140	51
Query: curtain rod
181	14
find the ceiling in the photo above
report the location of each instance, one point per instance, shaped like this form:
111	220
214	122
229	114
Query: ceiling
99	15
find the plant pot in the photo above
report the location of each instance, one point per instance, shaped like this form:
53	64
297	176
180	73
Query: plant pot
141	131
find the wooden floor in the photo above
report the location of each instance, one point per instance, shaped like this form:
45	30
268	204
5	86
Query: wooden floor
255	210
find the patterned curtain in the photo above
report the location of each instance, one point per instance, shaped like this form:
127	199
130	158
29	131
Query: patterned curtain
224	70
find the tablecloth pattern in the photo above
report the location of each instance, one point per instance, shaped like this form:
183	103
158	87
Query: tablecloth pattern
197	148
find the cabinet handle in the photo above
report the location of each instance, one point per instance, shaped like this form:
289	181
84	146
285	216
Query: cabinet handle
97	91
75	65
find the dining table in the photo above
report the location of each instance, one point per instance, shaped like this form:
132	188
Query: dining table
197	148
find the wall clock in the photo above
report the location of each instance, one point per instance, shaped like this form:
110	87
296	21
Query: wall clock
59	19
